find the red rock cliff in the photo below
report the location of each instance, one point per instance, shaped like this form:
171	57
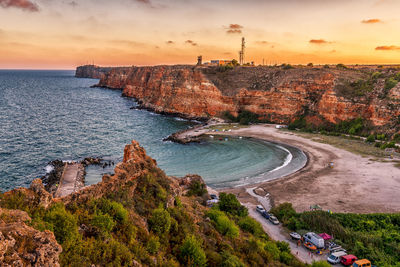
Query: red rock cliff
275	94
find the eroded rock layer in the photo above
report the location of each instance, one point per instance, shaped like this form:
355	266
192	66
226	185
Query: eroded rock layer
275	94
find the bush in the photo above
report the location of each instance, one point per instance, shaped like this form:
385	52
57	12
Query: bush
160	221
230	204
62	223
114	209
226	227
341	66
229	260
326	66
381	137
197	188
250	225
310	65
103	222
153	245
320	264
191	253
376	75
389	84
287	66
370	138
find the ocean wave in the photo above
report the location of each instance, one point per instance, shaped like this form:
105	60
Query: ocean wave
288	159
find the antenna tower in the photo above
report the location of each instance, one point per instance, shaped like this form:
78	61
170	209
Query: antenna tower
241	53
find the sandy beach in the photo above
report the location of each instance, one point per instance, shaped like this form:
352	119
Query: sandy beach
355	183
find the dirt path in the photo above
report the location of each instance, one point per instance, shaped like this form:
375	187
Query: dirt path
71	180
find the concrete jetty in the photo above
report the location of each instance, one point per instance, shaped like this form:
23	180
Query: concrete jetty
71	179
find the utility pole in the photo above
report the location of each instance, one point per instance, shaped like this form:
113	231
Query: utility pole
241	53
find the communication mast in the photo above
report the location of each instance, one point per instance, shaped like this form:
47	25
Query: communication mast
241	53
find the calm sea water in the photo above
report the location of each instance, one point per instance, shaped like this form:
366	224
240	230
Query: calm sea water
48	115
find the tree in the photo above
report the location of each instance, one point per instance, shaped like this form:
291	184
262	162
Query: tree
310	65
235	62
160	221
230	204
191	252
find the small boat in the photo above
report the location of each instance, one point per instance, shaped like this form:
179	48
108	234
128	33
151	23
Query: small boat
295	236
240	137
310	246
211	136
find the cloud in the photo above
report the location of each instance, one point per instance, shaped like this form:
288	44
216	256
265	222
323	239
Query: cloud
371	21
319	41
170	42
387	48
26	5
234	28
262	42
147	2
73	3
191	42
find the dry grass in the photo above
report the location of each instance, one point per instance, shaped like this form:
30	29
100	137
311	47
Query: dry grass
352	145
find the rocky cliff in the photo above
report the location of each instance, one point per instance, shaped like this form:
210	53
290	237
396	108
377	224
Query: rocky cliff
276	94
136	217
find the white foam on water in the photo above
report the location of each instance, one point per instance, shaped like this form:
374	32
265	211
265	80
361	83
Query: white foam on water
288	159
49	168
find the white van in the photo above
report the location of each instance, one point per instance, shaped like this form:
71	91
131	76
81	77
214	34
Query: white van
315	239
336	257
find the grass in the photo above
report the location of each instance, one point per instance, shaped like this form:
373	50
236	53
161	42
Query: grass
352	145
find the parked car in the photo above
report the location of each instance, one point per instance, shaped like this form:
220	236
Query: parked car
335	257
274	220
362	263
295	236
337	249
213	196
260	209
348	260
315	239
266	215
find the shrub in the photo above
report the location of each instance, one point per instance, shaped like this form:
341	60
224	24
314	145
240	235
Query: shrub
320	264
310	65
250	225
226	227
114	209
341	66
287	66
153	245
191	252
326	66
229	260
197	188
390	83
381	137
376	75
62	223
103	222
370	138
160	221
230	204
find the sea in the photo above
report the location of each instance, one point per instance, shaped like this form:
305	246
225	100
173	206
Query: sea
49	115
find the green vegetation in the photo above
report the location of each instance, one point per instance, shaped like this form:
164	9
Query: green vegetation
244	117
134	224
372	236
197	188
287	66
341	66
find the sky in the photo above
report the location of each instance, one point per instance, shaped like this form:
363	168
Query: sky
62	34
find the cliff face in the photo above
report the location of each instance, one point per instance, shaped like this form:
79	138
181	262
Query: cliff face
91	71
275	94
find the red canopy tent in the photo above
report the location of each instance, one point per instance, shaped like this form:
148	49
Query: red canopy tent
325	236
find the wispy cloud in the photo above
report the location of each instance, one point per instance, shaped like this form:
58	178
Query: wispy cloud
234	28
319	41
387	48
371	21
191	42
26	5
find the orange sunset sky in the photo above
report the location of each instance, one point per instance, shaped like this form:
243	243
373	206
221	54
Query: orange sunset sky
61	34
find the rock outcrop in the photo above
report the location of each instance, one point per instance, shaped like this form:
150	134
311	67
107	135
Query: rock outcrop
22	245
275	94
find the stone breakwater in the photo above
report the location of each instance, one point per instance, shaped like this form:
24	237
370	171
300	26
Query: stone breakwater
275	94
